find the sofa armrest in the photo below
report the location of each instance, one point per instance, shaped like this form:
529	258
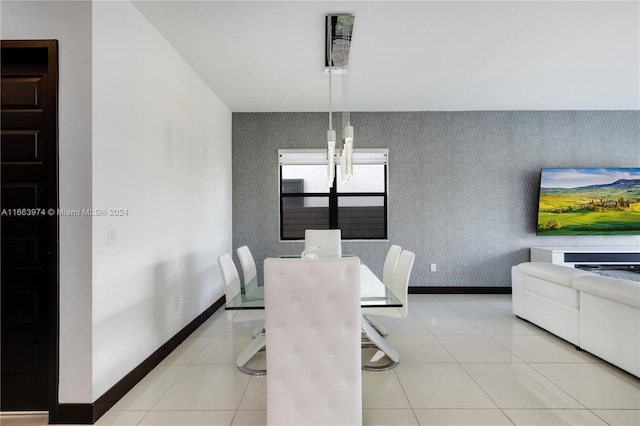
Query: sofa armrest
517	291
558	274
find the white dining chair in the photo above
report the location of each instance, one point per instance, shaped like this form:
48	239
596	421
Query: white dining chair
400	288
232	283
325	243
247	264
387	278
390	264
314	361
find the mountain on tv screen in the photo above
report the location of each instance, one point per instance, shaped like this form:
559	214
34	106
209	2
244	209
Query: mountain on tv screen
594	201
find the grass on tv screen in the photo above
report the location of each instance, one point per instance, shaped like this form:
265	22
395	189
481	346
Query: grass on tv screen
593	201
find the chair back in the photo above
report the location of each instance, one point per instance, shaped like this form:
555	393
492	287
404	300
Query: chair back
326	243
247	264
401	277
230	277
313	323
390	265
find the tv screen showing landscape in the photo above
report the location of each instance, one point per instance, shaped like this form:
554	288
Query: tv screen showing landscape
594	201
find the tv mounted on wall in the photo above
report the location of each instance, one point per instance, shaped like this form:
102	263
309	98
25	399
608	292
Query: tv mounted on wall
589	201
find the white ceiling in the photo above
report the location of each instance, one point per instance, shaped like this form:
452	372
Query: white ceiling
268	56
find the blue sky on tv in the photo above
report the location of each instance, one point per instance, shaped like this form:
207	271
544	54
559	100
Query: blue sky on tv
575	178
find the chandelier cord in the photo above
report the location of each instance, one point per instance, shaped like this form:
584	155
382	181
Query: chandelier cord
328	38
346	116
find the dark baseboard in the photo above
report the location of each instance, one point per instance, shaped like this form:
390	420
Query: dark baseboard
459	290
90	413
72	414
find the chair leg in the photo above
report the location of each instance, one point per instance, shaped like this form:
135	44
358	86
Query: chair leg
254	347
381	329
378	341
259	330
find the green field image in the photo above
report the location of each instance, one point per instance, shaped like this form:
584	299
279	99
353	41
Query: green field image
588	213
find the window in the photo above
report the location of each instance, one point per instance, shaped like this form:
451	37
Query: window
358	208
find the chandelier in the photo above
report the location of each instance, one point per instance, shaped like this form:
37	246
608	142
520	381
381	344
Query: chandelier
338	43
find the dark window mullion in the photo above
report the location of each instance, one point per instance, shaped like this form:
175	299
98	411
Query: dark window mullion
304	194
333	203
281	204
386	210
360	194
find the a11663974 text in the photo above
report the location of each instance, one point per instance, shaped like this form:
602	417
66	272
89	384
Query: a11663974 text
36	212
31	212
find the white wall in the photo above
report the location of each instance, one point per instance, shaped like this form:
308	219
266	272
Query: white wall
70	24
162	151
160	146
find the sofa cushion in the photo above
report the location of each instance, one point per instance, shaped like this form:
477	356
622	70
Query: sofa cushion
623	291
558	274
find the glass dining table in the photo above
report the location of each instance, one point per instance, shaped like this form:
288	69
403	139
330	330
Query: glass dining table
374	294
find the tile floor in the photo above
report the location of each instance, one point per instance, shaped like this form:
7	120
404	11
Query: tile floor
465	360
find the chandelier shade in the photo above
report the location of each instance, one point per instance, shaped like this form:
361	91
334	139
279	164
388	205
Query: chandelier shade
339	29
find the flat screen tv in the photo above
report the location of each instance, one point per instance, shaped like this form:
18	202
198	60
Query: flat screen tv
593	201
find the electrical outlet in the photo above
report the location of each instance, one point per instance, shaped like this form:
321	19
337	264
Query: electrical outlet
112	235
433	267
176	303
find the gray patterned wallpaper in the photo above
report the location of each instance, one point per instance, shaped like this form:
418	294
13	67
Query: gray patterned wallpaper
463	186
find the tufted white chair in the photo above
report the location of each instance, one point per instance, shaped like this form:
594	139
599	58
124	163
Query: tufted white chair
247	264
314	323
399	287
387	278
232	282
323	242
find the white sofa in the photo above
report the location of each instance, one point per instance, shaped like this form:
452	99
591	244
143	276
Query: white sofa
598	314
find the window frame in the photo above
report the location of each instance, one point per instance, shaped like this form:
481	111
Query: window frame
318	157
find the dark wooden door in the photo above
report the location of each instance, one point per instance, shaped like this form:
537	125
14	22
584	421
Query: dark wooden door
29	229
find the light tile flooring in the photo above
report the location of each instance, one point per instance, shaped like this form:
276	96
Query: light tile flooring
465	360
